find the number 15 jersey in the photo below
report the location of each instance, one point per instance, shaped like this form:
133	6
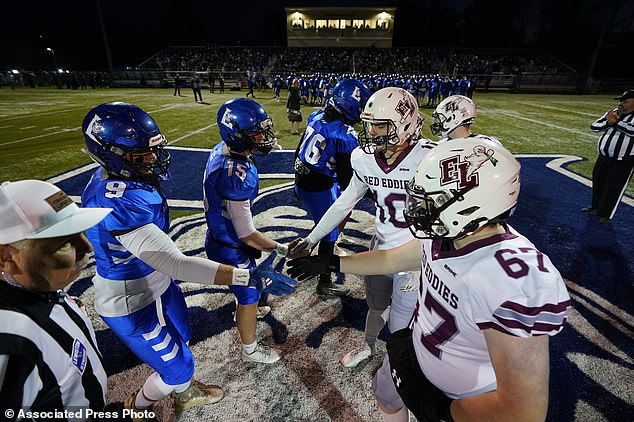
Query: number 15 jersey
502	283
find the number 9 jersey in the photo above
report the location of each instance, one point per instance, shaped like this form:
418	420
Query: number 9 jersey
134	204
502	283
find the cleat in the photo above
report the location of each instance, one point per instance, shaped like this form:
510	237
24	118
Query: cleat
589	210
197	394
344	239
352	359
262	311
338	251
262	354
331	289
138	415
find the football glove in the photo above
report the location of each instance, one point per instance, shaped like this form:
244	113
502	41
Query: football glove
265	279
309	266
300	247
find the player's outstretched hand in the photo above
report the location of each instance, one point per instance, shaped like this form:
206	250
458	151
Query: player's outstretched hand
309	266
265	279
299	247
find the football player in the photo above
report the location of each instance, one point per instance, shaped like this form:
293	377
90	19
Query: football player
230	184
137	262
385	162
453	118
488	300
322	164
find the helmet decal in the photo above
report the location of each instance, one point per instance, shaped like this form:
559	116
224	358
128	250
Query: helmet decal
227	118
453	170
404	108
93	126
356	94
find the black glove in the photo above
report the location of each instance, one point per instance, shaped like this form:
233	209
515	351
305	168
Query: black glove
309	266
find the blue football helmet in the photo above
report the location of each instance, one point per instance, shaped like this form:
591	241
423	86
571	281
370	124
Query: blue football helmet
348	98
244	125
127	142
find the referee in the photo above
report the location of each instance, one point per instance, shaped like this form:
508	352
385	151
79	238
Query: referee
49	359
613	168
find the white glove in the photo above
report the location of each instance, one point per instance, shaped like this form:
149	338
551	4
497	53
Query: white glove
300	247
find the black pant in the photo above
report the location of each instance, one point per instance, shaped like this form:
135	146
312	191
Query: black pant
609	180
426	401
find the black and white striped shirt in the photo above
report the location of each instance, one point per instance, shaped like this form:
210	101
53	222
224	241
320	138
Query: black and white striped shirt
48	354
617	141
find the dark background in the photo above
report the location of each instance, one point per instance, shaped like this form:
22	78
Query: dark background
570	30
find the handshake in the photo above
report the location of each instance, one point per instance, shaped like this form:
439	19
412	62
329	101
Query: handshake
301	266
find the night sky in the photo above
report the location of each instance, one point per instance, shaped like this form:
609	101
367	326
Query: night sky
569	29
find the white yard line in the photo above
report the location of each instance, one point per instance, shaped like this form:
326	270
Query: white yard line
39	136
191	133
47	113
563	110
27	127
72	173
165	108
538	122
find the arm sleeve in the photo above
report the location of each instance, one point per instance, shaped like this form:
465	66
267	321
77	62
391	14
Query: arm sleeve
157	249
344	169
600	124
625	127
21	381
241	218
339	210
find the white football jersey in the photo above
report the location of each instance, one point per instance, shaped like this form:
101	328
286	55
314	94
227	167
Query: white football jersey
387	185
503	283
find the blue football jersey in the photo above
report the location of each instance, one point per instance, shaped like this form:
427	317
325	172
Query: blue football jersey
134	204
323	140
232	177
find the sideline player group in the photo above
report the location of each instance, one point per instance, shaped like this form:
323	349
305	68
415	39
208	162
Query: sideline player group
470	303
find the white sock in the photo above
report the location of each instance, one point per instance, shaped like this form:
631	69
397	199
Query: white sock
154	389
400	416
249	348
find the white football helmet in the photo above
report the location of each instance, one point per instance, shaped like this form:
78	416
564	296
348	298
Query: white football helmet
395	108
459	186
453	111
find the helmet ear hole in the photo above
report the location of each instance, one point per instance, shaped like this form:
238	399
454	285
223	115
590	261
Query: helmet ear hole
468	211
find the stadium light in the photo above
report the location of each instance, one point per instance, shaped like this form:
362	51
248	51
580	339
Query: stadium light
53	53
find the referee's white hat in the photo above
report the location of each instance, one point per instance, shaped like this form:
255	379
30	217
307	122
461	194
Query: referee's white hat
33	209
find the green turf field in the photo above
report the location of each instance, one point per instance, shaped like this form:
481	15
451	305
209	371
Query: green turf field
40	133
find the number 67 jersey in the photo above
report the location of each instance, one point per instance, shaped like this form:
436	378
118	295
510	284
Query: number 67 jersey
502	283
